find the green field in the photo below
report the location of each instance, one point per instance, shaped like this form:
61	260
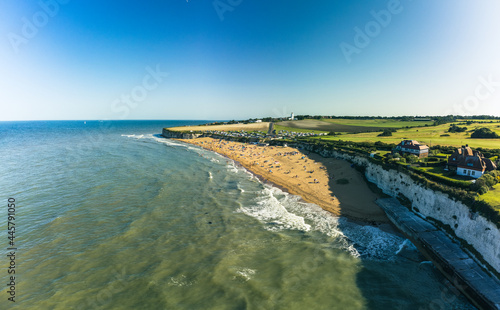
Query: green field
290	129
350	125
428	135
382	123
492	197
315	124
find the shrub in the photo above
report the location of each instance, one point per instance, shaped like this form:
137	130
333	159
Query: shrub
484	133
489	180
385	133
455	128
412	159
495	174
483	190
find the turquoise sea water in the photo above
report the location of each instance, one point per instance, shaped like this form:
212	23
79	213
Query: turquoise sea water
112	216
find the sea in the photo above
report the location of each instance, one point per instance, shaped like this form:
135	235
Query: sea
111	215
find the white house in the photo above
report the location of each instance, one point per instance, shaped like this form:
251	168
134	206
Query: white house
470	163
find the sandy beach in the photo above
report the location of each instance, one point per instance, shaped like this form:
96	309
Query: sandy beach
330	183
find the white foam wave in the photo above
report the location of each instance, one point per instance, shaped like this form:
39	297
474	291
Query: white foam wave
239	188
271	211
280	211
244	273
180	281
373	242
232	167
163	140
134	136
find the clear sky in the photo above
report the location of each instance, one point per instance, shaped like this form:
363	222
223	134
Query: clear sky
238	59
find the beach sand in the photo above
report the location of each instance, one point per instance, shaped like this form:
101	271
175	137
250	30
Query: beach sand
309	176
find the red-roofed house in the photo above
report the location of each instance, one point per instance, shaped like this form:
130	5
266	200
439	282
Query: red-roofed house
412	147
471	163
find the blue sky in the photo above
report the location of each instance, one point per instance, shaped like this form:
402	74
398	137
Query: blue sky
238	59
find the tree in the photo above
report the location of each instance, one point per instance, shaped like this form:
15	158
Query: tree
455	128
484	133
412	159
386	133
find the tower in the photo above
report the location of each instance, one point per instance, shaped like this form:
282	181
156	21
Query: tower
291	116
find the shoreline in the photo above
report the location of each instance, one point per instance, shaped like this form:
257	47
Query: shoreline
314	179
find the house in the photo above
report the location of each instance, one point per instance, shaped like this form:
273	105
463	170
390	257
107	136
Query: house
471	163
412	147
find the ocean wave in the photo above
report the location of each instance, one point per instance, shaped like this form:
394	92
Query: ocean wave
134	136
271	211
371	241
282	211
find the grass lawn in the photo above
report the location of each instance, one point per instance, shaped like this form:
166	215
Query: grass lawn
383	153
447	174
492	197
428	135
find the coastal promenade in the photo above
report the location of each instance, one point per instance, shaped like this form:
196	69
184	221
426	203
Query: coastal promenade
465	273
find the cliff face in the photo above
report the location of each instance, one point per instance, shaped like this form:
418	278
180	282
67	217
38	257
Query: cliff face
483	235
179	135
476	230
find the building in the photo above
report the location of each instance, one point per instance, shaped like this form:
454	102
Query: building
471	163
412	147
292	117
